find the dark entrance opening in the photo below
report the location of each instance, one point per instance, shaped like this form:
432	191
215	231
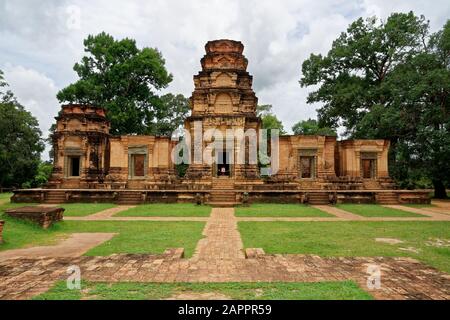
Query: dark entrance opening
223	163
75	166
307	167
139	165
368	168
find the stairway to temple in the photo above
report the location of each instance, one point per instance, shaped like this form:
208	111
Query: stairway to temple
55	197
318	198
387	198
372	185
129	197
222	192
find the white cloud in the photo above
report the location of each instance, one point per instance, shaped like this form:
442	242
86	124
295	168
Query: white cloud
277	36
36	92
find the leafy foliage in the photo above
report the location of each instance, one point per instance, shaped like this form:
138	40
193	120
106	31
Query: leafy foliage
269	119
20	142
43	173
390	79
171	111
311	127
123	78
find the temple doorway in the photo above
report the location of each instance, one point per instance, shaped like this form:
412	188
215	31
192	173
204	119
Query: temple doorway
223	164
368	168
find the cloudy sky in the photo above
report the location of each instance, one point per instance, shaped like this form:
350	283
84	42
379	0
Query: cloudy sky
41	40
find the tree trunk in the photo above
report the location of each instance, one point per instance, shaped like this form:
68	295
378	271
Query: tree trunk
439	190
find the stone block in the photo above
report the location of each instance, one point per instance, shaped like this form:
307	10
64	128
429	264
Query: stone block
253	253
43	216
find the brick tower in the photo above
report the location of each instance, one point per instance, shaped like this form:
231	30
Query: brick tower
223	99
80	147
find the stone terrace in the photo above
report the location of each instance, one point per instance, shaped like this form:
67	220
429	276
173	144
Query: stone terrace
219	257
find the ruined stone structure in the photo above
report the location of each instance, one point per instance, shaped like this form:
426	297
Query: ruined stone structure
92	165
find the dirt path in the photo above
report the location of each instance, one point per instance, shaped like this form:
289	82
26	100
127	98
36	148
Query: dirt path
339	212
434	216
76	245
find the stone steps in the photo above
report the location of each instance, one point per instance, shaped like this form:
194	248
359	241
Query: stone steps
130	198
387	198
55	197
223	196
222	193
220	204
317	198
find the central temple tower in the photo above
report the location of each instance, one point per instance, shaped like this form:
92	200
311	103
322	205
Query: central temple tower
223	99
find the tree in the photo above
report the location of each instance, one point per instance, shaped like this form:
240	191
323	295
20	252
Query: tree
269	120
170	114
389	79
351	77
122	78
20	143
421	87
43	173
311	127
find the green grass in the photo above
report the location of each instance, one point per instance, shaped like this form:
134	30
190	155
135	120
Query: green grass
8	205
167	210
353	238
5	196
132	237
84	209
19	233
374	210
343	290
279	210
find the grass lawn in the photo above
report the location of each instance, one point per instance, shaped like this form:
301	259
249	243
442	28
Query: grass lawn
5	196
344	290
279	210
19	234
8	205
352	238
167	210
133	236
375	210
84	209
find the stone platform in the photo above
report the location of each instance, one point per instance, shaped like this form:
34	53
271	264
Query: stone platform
220	256
269	195
43	216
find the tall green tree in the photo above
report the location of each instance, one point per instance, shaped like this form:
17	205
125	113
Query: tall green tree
311	127
122	78
269	119
171	111
421	90
20	141
388	79
351	77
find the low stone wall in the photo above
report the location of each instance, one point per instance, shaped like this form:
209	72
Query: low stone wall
2	223
191	196
417	197
28	197
43	216
273	197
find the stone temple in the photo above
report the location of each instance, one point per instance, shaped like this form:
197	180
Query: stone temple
90	164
